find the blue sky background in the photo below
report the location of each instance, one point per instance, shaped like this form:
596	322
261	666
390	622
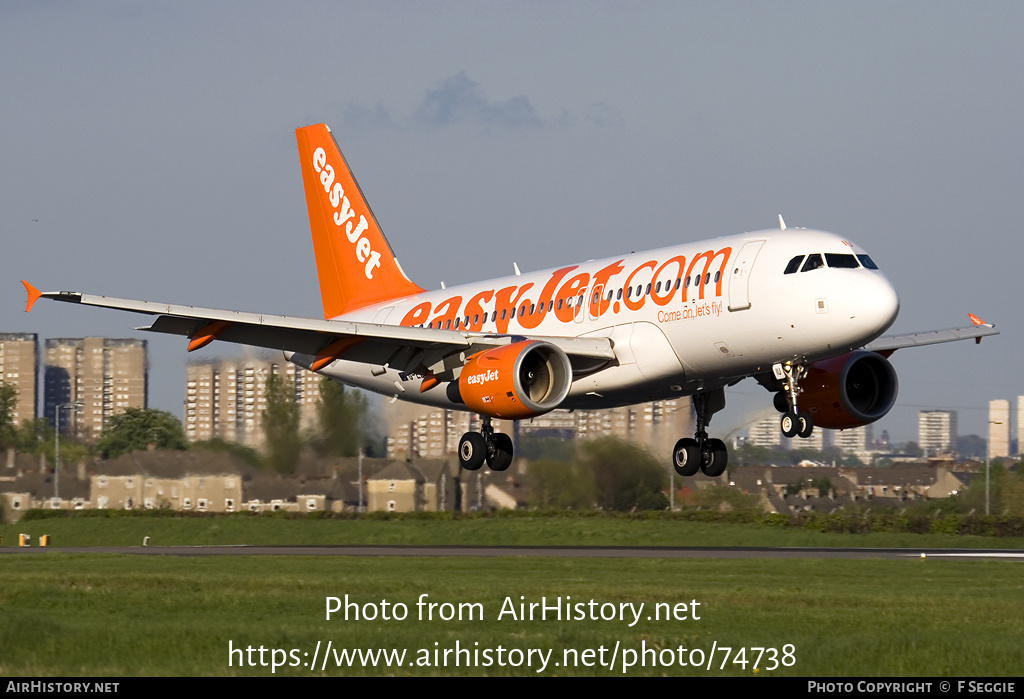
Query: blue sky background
154	144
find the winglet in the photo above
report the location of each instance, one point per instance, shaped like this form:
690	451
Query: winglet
33	295
976	320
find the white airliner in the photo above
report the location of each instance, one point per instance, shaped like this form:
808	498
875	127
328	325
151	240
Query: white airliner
801	311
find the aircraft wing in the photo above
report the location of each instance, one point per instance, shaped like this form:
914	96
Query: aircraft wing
890	343
403	348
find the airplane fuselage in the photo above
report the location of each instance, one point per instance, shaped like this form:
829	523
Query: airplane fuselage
681	319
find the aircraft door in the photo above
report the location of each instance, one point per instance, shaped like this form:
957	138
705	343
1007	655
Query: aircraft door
739	279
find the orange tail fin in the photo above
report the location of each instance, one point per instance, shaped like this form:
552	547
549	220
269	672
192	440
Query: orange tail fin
354	262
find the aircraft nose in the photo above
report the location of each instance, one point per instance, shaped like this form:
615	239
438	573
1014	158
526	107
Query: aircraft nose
879	303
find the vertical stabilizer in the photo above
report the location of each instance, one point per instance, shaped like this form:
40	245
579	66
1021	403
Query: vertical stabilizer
354	262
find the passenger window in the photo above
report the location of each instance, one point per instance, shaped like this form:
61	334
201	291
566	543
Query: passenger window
680	279
794	264
867	262
841	261
813	262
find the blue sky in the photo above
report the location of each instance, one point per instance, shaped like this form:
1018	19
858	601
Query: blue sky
154	144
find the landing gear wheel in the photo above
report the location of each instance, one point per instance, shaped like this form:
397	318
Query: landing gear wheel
472	451
499	452
805	425
790	425
716	458
686	457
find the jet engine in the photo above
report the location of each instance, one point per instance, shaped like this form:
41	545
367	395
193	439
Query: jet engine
517	381
850	390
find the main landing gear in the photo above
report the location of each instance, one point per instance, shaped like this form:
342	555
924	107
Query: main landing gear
486	445
702	453
794	423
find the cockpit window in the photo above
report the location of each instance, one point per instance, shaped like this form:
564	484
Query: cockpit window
813	262
794	264
867	262
841	261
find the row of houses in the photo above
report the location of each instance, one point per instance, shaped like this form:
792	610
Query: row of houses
203	481
791	489
196	481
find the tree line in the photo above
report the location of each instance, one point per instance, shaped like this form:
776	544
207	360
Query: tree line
339	432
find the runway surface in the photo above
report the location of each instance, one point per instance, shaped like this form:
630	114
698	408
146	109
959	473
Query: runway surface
540	551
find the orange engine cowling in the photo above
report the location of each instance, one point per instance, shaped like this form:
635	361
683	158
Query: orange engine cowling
520	380
850	390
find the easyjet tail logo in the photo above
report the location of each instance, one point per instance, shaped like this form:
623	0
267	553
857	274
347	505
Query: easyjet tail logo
344	215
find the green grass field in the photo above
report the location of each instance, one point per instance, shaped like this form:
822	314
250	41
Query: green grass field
108	615
551	530
119	615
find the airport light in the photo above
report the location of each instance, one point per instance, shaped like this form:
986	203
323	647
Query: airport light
56	443
988	467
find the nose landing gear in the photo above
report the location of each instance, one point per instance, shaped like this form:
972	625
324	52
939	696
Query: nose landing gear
794	423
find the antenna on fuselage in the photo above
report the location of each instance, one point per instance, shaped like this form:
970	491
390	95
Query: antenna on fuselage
515	267
782	224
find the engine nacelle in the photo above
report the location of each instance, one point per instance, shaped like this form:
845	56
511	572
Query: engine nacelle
520	380
850	390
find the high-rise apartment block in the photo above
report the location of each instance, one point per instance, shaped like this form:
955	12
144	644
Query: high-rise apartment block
1020	425
767	433
436	434
19	367
91	379
657	425
225	399
998	428
856	440
937	432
